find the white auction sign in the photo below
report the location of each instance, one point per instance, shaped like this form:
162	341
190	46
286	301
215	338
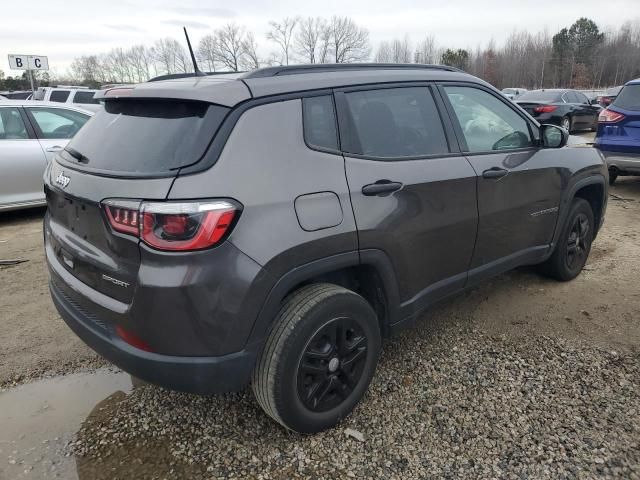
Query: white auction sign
28	62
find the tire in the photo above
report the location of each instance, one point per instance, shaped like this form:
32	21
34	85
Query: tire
318	359
566	123
613	175
573	247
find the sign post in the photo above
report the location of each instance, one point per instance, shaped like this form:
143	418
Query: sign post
29	63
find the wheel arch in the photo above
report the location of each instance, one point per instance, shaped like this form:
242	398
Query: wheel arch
368	273
594	190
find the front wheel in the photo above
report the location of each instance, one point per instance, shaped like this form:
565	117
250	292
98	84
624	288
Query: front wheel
573	247
319	358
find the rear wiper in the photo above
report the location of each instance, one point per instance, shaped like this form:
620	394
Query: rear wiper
77	155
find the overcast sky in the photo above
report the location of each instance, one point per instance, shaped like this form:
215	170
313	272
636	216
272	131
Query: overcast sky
64	30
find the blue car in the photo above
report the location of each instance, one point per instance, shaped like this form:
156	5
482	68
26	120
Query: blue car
618	134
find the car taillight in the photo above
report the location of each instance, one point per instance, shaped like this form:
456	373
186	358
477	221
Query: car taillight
545	109
609	116
175	226
123	215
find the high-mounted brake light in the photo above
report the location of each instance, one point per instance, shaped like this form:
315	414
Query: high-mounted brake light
118	92
609	116
175	226
545	109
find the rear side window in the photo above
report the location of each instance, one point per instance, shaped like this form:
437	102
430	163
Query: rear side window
628	98
56	123
11	125
396	123
319	118
59	96
84	97
151	137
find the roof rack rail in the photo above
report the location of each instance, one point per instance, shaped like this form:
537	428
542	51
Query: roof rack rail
337	67
185	75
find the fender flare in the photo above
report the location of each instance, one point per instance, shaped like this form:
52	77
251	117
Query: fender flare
568	198
373	257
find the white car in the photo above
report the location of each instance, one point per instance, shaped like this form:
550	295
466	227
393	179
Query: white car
31	133
513	93
69	95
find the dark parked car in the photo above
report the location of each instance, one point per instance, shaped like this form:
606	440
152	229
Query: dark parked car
569	109
618	134
17	94
270	228
608	96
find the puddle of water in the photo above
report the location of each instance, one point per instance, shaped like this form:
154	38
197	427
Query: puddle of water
38	419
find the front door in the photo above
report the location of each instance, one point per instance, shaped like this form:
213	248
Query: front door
413	194
519	187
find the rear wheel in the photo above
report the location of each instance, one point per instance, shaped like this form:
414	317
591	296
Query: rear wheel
574	244
566	123
319	358
613	175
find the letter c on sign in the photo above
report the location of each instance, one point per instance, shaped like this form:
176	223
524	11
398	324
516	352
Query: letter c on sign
37	63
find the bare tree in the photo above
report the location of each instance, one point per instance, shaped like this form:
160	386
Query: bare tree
349	42
171	56
309	39
282	34
207	52
230	46
250	60
383	54
427	51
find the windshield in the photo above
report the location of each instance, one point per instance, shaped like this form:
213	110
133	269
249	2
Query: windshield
146	136
540	96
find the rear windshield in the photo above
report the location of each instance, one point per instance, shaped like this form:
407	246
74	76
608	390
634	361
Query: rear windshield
539	96
150	137
628	98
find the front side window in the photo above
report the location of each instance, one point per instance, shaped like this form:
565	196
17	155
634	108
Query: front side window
11	125
396	123
56	123
59	96
319	119
486	122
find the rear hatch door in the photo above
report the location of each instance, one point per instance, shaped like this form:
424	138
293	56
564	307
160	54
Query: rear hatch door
133	150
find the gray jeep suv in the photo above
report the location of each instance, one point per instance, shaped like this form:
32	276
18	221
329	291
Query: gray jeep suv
270	228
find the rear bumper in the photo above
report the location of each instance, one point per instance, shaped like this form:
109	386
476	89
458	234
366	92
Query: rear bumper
202	375
625	162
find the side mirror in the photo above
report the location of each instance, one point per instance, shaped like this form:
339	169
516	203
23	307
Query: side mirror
553	136
594	101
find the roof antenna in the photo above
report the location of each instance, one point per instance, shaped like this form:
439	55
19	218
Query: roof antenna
196	70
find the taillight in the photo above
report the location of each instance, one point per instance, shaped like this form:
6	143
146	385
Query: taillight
175	226
123	215
609	116
545	109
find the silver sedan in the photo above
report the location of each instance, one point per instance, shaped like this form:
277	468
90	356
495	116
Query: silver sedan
31	133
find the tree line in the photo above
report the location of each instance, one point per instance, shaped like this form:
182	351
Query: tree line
578	56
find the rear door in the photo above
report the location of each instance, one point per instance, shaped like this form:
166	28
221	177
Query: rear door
518	186
54	127
413	193
22	161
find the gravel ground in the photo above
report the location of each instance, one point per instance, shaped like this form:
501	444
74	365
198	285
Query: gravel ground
454	403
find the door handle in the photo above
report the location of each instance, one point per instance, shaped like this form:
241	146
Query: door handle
495	172
54	149
381	187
